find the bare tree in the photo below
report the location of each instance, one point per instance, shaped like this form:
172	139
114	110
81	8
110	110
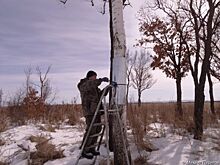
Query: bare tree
130	65
45	88
28	82
214	64
212	105
213	72
1	97
140	76
28	86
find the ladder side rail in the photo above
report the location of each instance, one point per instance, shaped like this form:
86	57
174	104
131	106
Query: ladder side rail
96	112
90	127
106	131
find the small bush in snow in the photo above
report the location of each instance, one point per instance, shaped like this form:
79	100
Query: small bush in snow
38	139
4	120
2	142
2	163
45	151
48	127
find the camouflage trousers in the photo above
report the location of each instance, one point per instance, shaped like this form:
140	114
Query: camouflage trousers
94	130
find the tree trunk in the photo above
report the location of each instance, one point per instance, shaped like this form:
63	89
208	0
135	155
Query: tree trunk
139	98
119	140
200	85
212	107
179	111
127	92
199	88
1	96
111	136
198	112
120	143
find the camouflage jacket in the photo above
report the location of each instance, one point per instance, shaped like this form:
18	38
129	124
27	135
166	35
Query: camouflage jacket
90	95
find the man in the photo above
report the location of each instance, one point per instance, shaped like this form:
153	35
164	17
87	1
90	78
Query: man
90	96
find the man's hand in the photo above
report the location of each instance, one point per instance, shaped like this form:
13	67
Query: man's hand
114	84
105	79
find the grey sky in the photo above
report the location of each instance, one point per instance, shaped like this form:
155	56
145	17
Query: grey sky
73	38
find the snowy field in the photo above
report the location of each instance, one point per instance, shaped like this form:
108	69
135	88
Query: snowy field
16	146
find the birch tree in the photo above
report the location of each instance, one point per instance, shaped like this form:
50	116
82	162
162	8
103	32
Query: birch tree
118	46
117	74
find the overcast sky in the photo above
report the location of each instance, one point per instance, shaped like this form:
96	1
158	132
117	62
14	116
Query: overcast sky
73	39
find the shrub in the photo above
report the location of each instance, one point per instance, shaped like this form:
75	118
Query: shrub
4	120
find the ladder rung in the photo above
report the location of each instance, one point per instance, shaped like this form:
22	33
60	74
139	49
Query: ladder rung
97	124
95	135
95	145
110	110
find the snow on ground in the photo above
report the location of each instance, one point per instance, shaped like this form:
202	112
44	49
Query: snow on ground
172	149
175	149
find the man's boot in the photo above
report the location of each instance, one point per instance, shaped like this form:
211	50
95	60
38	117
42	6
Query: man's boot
94	152
87	155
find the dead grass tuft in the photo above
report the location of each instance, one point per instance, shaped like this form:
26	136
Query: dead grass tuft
104	162
141	160
45	151
38	139
164	113
48	128
2	163
20	114
138	120
2	142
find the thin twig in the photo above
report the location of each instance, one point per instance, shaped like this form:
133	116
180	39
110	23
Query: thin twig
63	1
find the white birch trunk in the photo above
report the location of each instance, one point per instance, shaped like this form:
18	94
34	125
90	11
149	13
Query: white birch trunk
119	60
119	46
119	75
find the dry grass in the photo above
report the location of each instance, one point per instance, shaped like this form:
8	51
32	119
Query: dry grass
104	162
141	160
4	120
38	139
138	120
52	114
2	142
45	151
2	163
48	128
164	113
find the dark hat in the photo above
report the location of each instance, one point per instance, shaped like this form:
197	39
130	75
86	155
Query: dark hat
90	74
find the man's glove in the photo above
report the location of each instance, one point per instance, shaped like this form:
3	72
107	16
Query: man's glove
114	84
105	79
